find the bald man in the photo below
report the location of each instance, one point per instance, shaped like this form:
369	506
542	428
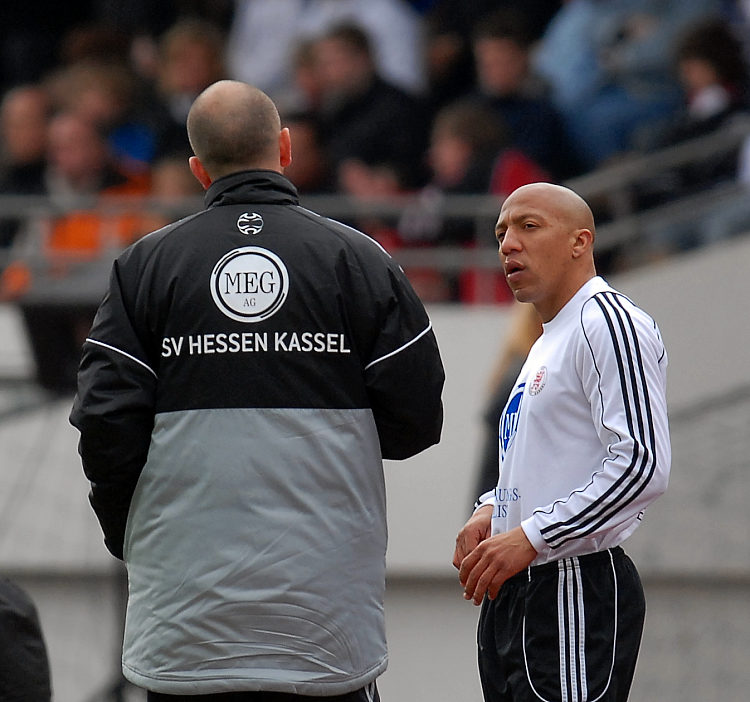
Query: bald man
584	445
247	372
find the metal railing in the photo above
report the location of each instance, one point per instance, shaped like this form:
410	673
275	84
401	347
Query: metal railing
613	189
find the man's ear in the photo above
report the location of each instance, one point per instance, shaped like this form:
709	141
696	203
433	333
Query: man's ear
583	242
197	169
285	147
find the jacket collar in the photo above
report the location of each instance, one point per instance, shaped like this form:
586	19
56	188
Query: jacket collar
258	186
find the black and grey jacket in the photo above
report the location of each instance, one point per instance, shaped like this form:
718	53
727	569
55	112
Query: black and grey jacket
247	371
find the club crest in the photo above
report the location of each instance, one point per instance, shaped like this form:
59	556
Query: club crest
539	381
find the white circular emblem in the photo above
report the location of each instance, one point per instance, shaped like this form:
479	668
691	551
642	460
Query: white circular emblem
250	223
538	381
249	284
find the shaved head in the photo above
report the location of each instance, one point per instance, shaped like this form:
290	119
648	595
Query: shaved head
232	127
567	204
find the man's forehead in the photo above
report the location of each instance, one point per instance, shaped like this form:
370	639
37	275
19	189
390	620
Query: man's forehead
522	206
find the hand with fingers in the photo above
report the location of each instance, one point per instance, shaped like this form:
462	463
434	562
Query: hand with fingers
476	530
491	562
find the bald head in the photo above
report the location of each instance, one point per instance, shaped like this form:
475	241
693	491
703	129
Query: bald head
566	204
232	127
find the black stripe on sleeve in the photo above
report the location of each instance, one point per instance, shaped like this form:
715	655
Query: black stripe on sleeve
639	418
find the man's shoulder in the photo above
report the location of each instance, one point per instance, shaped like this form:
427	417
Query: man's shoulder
146	245
605	302
617	316
344	235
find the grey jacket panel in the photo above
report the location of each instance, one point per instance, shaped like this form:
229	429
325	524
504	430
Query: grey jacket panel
238	573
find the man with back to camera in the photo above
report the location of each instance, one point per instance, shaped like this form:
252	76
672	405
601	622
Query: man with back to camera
247	371
584	444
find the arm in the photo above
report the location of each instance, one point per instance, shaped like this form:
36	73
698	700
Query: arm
622	367
404	376
114	412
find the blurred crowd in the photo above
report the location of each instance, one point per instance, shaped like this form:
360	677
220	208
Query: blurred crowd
384	98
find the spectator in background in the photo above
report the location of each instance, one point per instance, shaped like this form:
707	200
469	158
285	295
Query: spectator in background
368	184
174	193
371	183
470	153
172	181
106	94
304	94
506	83
609	65
24	114
309	170
465	142
450	26
80	165
191	57
263	35
713	73
363	116
59	287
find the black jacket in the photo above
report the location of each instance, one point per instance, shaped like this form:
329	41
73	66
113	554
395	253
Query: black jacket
244	376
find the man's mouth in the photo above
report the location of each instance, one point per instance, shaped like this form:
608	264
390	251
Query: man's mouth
512	268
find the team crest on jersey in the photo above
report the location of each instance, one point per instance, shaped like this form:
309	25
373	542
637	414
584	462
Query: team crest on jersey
249	284
539	381
509	420
250	223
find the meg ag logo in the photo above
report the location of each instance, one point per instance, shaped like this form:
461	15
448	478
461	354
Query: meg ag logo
249	284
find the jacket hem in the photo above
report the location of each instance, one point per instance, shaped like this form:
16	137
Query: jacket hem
187	683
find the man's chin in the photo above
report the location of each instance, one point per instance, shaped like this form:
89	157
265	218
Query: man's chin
521	294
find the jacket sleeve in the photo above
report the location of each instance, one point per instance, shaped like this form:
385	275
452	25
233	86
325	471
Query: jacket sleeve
114	412
404	374
622	367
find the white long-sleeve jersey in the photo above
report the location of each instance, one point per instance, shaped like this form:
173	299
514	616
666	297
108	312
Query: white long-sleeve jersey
584	437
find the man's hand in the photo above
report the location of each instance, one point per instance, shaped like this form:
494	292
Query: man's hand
492	562
476	530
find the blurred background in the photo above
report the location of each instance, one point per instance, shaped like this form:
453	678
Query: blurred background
410	120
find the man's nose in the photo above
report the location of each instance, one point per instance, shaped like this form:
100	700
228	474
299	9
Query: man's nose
509	243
